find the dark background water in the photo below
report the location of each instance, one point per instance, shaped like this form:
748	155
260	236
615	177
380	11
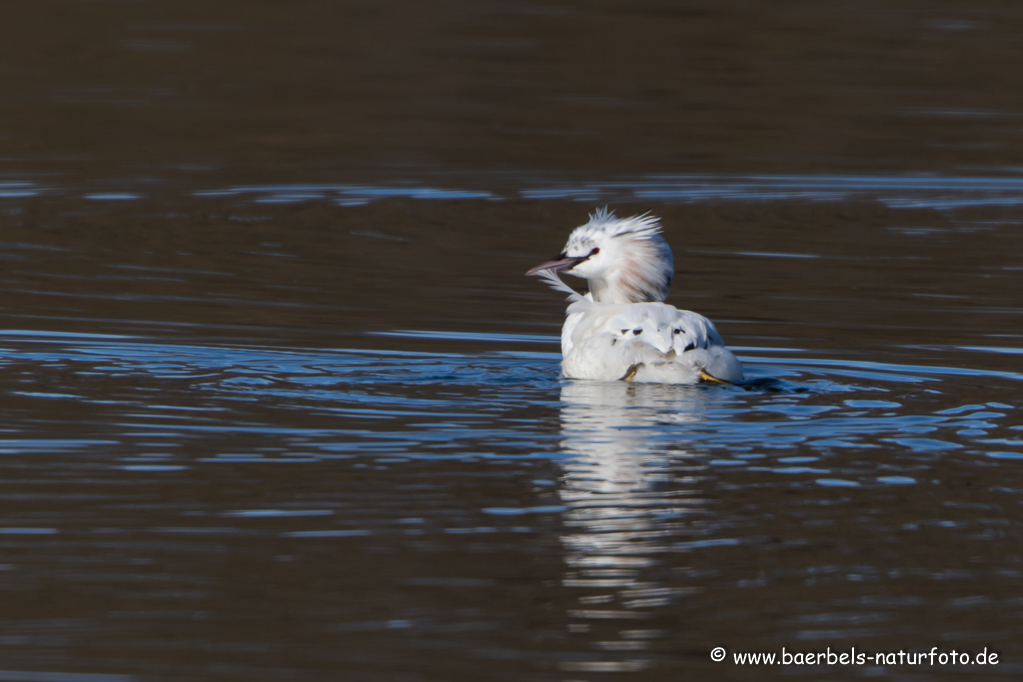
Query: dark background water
278	403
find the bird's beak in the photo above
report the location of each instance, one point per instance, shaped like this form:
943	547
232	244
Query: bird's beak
558	263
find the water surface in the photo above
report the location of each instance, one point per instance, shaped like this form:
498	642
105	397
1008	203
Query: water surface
279	403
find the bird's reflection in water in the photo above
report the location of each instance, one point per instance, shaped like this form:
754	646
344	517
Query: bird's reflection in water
631	493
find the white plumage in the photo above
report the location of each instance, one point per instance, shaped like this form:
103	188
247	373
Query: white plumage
620	329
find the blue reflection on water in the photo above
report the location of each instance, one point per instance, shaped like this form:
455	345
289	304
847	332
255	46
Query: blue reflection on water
423	404
897	191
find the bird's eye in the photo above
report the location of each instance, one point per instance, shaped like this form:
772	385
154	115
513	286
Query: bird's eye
594	251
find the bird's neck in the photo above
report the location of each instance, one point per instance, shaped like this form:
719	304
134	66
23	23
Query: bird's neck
604	292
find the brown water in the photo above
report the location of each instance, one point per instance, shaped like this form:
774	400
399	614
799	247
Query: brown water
278	403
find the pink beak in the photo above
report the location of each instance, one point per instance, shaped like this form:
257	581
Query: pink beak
558	263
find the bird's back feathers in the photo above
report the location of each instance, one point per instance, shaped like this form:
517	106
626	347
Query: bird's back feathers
649	342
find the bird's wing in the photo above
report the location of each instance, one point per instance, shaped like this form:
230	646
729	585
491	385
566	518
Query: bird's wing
613	340
664	327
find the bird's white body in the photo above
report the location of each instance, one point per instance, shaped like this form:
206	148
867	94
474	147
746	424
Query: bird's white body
621	330
648	342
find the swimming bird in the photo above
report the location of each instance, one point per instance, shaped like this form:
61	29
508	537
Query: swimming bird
621	329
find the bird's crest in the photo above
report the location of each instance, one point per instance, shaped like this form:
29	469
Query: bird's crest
604	221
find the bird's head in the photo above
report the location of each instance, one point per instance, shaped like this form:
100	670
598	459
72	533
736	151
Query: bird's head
624	260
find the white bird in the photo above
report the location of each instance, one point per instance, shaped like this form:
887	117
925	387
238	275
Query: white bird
621	329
